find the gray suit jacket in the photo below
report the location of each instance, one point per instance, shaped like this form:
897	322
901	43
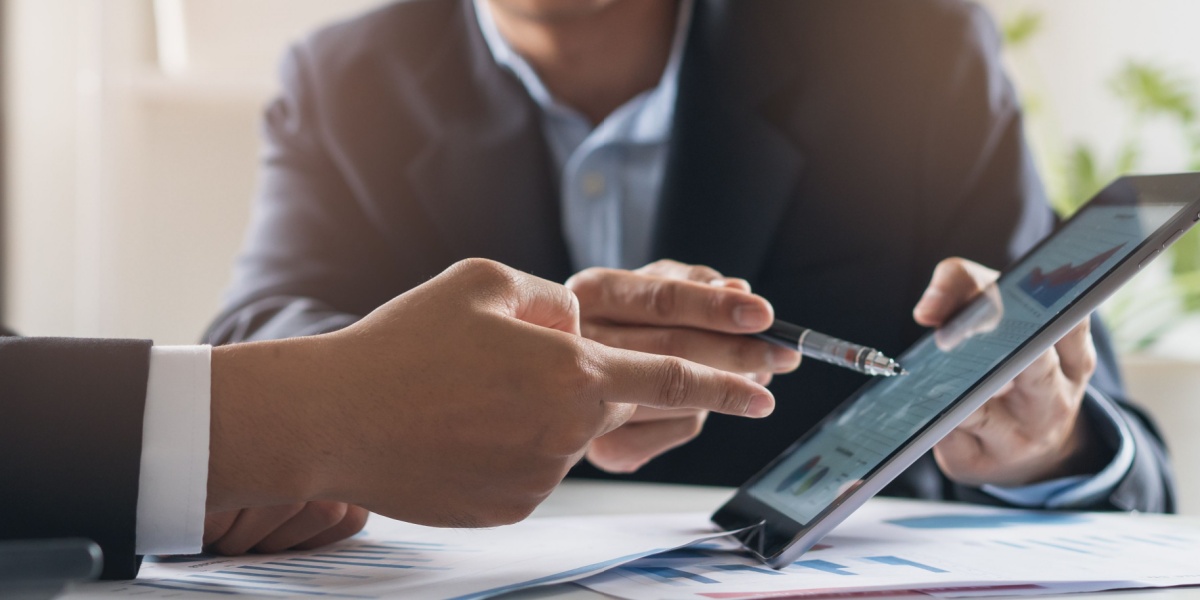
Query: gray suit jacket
829	151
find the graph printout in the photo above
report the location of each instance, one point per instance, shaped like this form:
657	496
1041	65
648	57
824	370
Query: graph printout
939	549
399	560
944	366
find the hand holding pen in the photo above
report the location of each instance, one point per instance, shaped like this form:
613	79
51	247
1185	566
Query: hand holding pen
689	311
828	349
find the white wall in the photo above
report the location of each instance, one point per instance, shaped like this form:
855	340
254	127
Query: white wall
40	186
129	185
1069	65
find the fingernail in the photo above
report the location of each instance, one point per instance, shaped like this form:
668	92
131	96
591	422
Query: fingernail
718	282
751	316
760	406
782	359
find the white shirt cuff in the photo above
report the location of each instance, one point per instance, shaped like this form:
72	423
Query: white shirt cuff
173	482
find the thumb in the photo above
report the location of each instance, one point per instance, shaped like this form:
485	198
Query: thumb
955	282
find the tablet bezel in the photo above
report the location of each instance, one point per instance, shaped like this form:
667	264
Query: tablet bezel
778	540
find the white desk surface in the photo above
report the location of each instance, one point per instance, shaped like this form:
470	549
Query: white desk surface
595	497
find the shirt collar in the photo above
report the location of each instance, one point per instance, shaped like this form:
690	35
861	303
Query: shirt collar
645	118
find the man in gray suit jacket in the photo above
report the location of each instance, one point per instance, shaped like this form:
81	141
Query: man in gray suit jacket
828	154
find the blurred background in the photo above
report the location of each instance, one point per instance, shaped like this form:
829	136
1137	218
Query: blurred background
131	141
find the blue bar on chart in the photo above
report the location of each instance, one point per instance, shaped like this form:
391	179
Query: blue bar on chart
824	566
669	575
746	568
903	562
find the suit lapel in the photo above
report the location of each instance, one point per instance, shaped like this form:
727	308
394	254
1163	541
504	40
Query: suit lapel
485	176
731	171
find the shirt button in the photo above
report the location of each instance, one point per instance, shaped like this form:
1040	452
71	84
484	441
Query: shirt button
593	184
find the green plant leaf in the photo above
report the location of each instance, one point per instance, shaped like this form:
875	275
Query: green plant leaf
1082	177
1185	268
1022	28
1152	91
1127	161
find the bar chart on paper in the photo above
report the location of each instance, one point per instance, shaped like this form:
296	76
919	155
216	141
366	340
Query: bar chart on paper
326	574
392	559
938	549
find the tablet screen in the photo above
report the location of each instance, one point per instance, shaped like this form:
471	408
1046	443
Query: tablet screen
865	432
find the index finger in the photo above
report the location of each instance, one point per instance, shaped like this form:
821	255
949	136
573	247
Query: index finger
640	299
674	383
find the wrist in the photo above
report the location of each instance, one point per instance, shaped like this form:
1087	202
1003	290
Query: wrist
260	426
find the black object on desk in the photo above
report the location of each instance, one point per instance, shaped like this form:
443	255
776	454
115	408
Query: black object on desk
38	569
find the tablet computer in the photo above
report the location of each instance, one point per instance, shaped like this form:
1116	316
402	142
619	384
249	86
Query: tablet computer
886	425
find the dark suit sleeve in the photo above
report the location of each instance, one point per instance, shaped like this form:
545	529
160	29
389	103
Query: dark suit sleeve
312	262
975	154
71	442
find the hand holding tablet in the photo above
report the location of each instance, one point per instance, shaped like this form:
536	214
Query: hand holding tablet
884	427
1033	429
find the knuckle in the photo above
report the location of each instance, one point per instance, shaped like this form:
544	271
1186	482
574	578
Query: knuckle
675	383
702	273
1053	368
1088	358
570	303
661	299
739	283
718	306
1089	361
661	266
487	273
581	377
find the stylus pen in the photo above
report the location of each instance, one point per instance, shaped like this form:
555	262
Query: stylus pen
824	348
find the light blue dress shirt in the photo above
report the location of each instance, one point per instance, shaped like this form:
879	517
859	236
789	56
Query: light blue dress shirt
611	177
611	174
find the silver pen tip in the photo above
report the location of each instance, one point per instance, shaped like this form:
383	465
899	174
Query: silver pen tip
880	365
